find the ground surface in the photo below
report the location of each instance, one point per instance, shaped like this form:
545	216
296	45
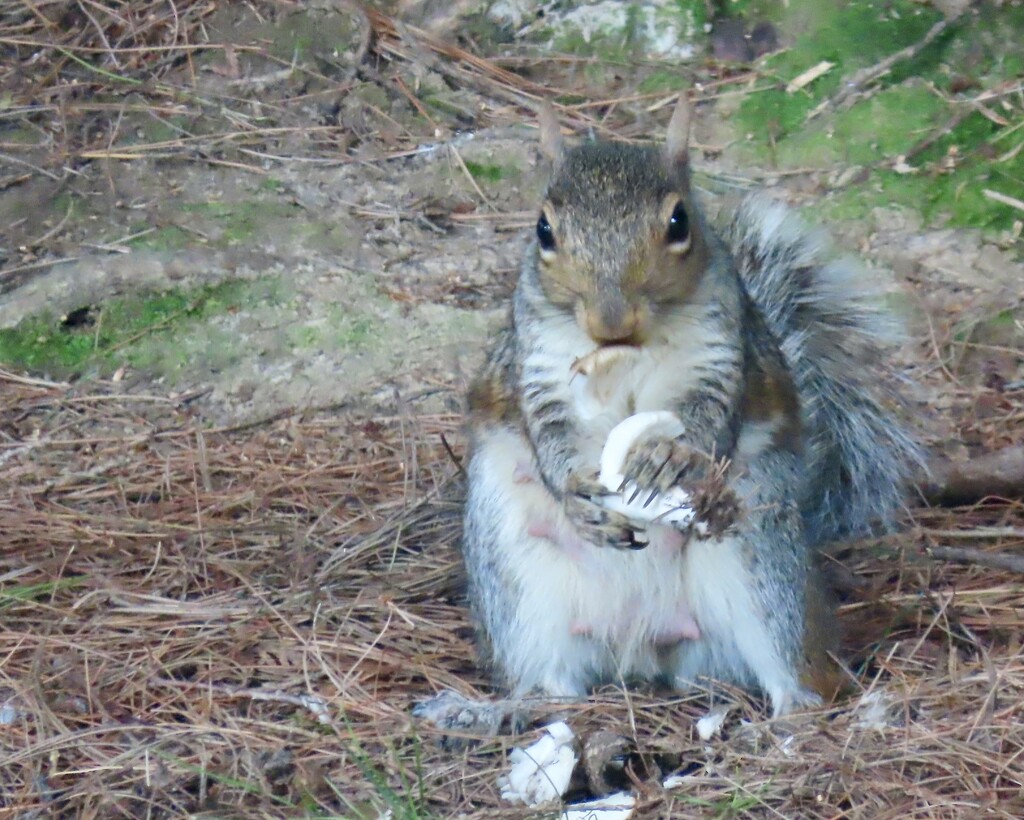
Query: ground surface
251	253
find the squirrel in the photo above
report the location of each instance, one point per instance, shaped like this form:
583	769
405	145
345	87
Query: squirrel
768	349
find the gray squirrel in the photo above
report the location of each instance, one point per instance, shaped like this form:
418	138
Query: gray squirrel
770	353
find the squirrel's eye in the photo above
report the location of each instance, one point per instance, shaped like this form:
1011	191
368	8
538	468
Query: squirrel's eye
678	226
545	235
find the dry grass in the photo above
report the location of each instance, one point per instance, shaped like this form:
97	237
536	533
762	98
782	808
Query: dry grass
81	76
239	620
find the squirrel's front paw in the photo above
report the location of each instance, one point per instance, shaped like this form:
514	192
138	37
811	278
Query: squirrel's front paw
593	523
715	505
656	464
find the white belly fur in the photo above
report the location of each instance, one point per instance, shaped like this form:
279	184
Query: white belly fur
590	607
600	612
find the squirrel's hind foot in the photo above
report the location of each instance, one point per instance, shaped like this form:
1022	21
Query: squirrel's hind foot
464	720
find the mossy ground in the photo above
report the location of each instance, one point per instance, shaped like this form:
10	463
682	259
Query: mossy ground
158	332
921	109
490	172
236	622
239	221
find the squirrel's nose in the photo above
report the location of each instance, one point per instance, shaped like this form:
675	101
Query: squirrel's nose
618	325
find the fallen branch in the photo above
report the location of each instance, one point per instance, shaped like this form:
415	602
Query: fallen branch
992	475
968	555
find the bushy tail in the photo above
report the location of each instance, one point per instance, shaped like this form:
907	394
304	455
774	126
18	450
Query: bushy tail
837	337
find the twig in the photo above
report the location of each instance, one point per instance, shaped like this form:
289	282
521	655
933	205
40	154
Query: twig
154	328
866	75
16	378
967	555
469	176
56	229
976	533
938	134
36	168
1004	199
992	475
117	246
147	49
7	273
452	455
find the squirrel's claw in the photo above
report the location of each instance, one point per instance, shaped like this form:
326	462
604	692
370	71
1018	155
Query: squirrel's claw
595	524
658	464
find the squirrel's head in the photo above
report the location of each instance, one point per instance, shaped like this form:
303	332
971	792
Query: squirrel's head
619	241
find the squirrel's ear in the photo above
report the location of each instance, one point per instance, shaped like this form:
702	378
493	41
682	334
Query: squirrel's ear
551	144
677	139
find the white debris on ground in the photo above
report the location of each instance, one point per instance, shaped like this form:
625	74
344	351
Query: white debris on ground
542	771
675	781
711	724
661	27
872	710
9	712
618	806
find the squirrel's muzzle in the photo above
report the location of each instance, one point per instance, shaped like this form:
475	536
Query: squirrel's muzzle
613	323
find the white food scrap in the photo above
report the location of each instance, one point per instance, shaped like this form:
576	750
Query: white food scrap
541	772
672	507
601	361
711	724
618	806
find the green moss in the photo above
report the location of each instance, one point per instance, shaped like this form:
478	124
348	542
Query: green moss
239	221
115	333
607	47
489	172
62	203
309	36
886	125
902	116
176	351
13	595
353	332
305	337
441	103
663	80
372	95
171	238
696	12
757	10
997	325
17	134
942	192
633	33
271	185
152	129
852	36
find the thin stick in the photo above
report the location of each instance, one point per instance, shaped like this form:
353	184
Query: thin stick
866	75
968	555
999	474
36	168
977	533
469	176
